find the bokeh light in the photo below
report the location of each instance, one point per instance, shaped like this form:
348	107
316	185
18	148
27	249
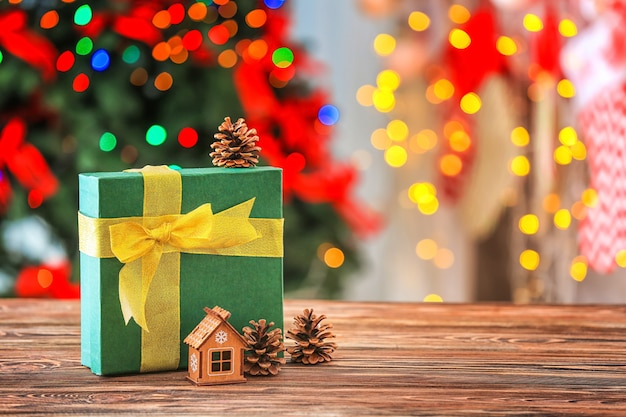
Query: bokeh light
397	130
551	203
565	88
529	224
100	60
419	21
396	156
197	11
163	81
227	58
156	135
139	76
177	13
562	219
428	205
380	139
620	258
443	89
282	57
107	142
426	249
459	38
44	277
84	46
65	61
444	258
450	165
470	103
131	54
567	28
422	192
458	14
187	137
384	44
219	34
589	197
227	8
388	80
520	136
49	19
192	40
433	298
520	166
460	141
532	23
364	95
162	19
256	18
273	4
578	268
384	101
529	259
334	257
506	46
579	151
328	115
562	155
83	15
568	136
80	83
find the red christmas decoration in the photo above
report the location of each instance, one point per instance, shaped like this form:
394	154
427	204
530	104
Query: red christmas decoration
49	280
24	162
25	44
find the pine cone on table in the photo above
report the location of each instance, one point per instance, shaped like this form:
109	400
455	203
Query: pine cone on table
263	347
235	146
310	337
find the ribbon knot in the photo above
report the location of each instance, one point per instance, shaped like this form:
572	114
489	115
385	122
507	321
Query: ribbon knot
162	233
140	245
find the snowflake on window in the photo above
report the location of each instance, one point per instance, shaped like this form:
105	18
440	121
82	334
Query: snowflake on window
193	361
221	337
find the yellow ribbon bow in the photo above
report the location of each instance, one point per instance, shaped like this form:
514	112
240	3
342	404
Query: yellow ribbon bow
139	245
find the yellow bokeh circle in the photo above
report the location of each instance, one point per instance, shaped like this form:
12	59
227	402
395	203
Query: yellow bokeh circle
529	259
529	224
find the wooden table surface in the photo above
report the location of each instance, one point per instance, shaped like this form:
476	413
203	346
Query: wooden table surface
393	359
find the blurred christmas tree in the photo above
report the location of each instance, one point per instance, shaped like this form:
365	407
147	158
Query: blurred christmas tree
108	85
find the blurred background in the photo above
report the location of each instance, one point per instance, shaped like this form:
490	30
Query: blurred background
432	150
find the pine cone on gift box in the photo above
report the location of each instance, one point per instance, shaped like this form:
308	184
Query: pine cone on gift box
235	146
310	337
263	347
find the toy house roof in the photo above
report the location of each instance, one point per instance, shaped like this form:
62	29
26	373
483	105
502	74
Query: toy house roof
214	317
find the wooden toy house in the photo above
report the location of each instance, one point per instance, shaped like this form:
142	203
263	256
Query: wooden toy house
216	350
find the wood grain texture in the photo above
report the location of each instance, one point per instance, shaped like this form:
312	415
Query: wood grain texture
393	359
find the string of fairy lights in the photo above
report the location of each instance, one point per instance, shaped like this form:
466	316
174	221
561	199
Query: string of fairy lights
397	143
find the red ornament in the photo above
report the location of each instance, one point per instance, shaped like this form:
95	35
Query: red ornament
50	280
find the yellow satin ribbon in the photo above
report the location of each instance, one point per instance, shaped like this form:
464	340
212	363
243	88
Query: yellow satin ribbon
149	283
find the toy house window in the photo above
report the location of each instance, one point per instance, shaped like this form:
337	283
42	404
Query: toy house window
221	361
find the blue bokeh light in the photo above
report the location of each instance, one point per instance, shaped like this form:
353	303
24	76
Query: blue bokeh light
274	4
328	115
100	60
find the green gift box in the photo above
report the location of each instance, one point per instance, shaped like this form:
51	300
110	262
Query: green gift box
159	245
